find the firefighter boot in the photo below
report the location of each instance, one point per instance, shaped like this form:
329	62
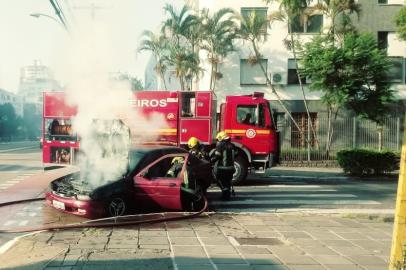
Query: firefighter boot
225	194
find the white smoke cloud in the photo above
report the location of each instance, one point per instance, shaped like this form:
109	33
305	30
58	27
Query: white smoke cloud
104	142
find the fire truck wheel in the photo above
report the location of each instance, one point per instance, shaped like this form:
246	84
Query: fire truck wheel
116	207
241	170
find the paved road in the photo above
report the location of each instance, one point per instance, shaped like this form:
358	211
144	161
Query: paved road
18	161
301	196
281	191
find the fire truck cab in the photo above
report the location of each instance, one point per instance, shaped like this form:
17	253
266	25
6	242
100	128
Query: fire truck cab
247	119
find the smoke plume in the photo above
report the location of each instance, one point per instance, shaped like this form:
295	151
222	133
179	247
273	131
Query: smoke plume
101	101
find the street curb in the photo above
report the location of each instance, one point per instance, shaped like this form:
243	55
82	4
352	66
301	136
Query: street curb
6	246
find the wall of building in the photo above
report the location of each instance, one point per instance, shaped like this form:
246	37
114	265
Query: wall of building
277	55
34	80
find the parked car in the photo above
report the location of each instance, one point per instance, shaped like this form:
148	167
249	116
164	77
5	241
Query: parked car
147	186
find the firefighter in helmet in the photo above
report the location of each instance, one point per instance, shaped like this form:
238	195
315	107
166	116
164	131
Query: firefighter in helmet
195	148
176	167
223	160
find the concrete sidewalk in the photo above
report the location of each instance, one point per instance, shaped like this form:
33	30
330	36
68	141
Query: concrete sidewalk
296	241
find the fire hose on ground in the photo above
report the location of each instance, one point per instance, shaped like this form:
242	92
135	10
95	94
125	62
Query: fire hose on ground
118	221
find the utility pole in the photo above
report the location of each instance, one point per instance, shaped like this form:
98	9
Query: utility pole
92	8
398	252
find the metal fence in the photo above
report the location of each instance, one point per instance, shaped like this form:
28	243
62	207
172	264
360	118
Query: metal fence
347	133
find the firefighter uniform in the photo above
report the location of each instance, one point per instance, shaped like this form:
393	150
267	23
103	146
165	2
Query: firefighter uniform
176	167
223	160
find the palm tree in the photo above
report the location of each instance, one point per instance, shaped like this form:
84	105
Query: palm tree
339	9
183	32
252	30
157	45
185	64
290	10
219	30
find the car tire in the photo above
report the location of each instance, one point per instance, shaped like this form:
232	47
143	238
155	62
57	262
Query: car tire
116	206
241	170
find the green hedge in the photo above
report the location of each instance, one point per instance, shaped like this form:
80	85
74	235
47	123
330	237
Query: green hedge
361	162
300	154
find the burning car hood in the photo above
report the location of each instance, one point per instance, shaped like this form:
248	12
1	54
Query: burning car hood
75	184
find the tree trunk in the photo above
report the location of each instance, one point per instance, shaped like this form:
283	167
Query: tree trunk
215	76
329	129
163	79
268	81
301	84
211	76
380	138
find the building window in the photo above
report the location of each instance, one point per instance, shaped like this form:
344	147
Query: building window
383	40
292	73
396	73
252	74
307	24
299	138
383	2
247	13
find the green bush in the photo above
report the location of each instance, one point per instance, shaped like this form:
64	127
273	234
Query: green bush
361	162
300	154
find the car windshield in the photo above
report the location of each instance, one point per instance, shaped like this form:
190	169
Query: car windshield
135	157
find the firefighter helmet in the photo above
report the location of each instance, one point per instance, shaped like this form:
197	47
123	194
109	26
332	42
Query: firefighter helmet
193	142
177	160
222	135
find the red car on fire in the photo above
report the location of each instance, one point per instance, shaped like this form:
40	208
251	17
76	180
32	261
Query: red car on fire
145	186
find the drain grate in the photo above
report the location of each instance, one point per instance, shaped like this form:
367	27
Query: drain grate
259	241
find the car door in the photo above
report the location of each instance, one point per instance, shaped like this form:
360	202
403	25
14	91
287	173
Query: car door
155	187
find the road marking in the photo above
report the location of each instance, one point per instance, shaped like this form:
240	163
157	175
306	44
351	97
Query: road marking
10	222
16	149
25	214
336	210
295	186
31	208
307	177
23	223
254	189
7	184
305	202
239	195
13	181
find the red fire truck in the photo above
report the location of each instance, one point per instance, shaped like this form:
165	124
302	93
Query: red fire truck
247	119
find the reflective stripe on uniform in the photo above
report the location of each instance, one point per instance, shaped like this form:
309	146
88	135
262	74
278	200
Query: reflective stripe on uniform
186	178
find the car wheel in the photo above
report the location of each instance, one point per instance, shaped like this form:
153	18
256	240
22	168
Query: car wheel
116	207
241	170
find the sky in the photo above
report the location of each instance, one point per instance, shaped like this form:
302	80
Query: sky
25	38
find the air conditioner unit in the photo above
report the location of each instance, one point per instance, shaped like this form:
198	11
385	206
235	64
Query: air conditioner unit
278	78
